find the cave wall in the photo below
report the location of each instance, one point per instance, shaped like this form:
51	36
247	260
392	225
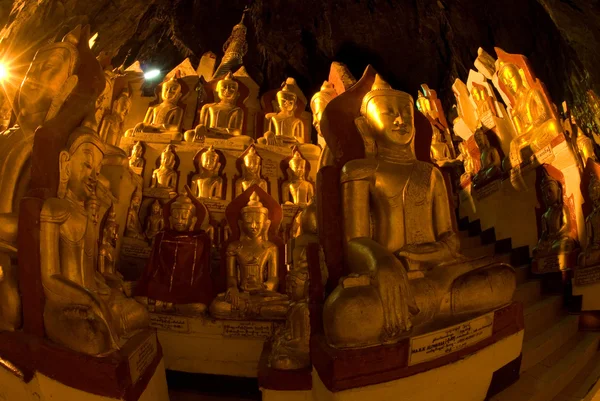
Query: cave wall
410	42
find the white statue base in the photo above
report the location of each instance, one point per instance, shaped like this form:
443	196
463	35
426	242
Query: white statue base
206	345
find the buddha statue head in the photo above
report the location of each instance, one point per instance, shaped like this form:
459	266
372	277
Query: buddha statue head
171	90
252	162
156	208
481	139
136	201
287	99
254	219
551	190
210	160
227	89
80	164
297	284
424	104
110	233
389	113
319	101
183	214
167	158
298	166
122	105
594	190
510	77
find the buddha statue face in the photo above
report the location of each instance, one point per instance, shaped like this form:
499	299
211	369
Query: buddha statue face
252	162
122	106
481	140
156	208
254	220
135	202
210	160
296	285
298	166
227	89
171	90
510	77
80	166
391	117
183	214
287	101
594	191
167	159
319	101
551	191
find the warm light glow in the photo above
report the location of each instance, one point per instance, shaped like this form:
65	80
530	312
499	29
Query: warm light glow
3	72
151	74
93	39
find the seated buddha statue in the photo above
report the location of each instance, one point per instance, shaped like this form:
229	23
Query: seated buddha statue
251	167
591	254
133	228
222	117
208	183
555	238
491	163
440	151
107	257
155	222
252	271
81	311
165	117
468	162
165	175
401	249
136	160
177	277
585	147
297	190
284	126
111	127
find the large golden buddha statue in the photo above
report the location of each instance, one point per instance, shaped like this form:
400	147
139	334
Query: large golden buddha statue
81	311
297	189
165	117
252	271
251	167
284	126
208	183
401	248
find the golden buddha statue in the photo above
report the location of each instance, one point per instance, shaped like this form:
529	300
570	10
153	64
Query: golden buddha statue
585	147
284	126
251	167
155	222
107	257
165	176
297	190
208	183
401	248
222	117
165	117
591	254
252	271
484	103
491	163
555	238
319	101
136	160
81	311
440	150
111	127
468	162
133	229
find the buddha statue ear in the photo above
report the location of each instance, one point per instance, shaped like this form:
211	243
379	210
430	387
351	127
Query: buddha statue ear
61	97
64	166
193	222
364	129
266	229
73	36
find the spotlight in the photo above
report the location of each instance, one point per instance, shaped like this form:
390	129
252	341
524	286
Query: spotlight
151	74
3	72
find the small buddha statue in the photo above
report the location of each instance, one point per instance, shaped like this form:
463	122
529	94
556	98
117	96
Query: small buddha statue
165	176
484	103
133	229
208	183
222	117
155	222
297	190
468	162
107	257
555	238
439	151
491	163
585	147
401	248
165	117
111	127
81	311
591	254
252	271
251	167
177	278
136	160
284	126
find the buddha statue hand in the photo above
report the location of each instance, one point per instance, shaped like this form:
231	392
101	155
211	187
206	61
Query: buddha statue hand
139	127
268	138
234	131
234	297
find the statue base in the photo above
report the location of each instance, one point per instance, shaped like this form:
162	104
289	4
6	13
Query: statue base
474	360
285	385
555	263
211	346
31	368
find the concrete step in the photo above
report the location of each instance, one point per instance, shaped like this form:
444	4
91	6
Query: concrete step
522	273
541	346
479	251
548	378
470	242
585	386
528	292
542	314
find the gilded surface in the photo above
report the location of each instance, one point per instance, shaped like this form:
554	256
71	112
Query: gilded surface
491	164
297	189
208	183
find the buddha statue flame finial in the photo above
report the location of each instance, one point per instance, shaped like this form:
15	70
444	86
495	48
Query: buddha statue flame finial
235	49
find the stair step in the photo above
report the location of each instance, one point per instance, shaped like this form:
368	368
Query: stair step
549	377
463	234
585	385
479	252
528	292
470	242
522	273
542	314
539	347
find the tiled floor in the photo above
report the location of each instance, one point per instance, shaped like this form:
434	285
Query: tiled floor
194	387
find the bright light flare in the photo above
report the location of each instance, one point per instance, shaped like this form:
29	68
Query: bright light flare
151	74
4	74
92	40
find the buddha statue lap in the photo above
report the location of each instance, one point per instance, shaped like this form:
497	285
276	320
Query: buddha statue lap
252	271
222	118
208	183
401	248
81	311
165	175
297	190
491	163
251	168
177	278
155	222
284	126
591	254
166	117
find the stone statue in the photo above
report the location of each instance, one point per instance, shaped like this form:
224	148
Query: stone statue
491	163
107	257
291	345
81	311
133	229
222	117
208	183
136	160
251	167
177	277
440	150
165	117
591	254
155	222
165	176
252	271
111	127
297	190
402	251
285	126
555	238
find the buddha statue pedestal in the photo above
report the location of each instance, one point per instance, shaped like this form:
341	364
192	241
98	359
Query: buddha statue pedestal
284	385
